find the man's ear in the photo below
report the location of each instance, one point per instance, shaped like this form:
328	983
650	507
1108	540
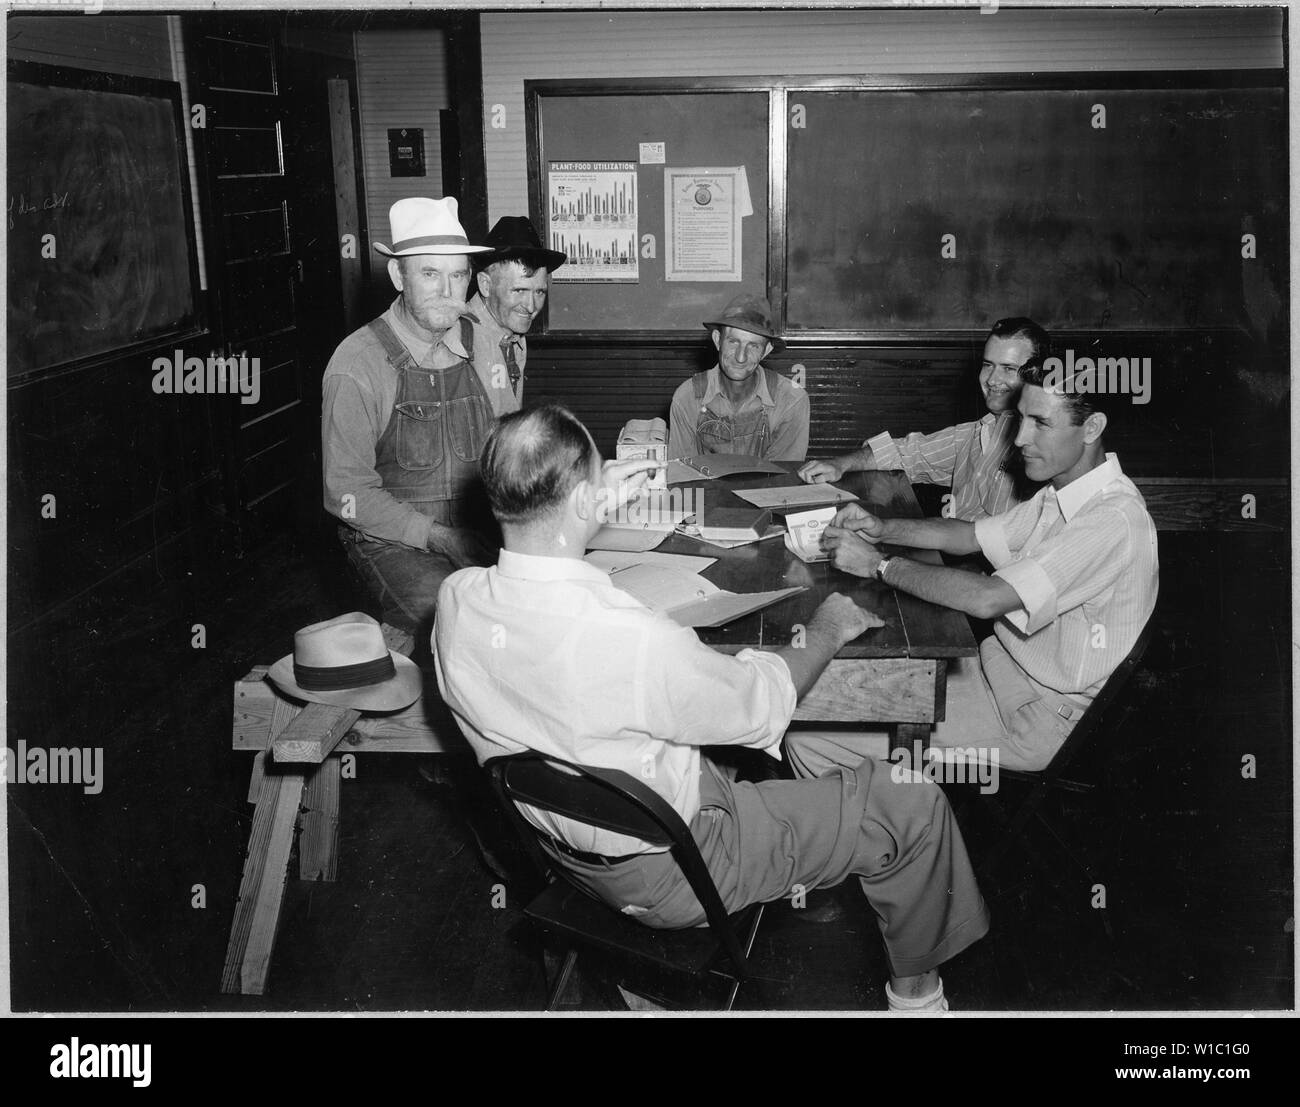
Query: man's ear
766	350
716	335
395	273
1093	426
582	501
484	282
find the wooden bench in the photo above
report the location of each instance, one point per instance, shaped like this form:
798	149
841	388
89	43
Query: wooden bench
295	781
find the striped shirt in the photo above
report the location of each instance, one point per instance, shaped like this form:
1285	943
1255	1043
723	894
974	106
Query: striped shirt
1083	562
970	458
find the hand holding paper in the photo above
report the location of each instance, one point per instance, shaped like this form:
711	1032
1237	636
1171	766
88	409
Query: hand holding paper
804	533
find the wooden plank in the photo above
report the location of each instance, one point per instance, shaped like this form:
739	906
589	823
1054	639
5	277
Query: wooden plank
266	868
319	846
255	699
871	690
311	737
346	209
408	730
257	776
270	847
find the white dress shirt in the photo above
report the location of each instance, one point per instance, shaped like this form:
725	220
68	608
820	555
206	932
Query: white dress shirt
1083	562
543	653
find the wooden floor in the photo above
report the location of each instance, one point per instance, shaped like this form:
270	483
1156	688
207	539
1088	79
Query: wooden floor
107	912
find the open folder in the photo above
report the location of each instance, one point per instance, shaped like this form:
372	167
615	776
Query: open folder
712	466
687	598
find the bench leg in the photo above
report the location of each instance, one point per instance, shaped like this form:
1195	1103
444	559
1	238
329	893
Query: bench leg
266	868
318	849
261	891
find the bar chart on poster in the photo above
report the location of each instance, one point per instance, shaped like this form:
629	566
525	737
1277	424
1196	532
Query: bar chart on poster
593	219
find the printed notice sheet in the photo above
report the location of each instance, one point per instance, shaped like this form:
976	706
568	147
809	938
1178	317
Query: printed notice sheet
702	213
592	217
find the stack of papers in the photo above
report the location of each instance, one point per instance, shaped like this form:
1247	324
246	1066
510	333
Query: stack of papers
641	525
795	495
804	537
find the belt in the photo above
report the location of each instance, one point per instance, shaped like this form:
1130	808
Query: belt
588	858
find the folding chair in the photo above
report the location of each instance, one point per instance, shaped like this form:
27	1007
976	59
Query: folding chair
1053	779
703	958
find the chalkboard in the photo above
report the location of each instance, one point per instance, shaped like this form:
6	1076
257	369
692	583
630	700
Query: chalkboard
100	248
698	129
1132	225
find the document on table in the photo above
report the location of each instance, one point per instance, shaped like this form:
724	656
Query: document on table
712	466
796	495
689	530
687	598
611	560
640	525
626	539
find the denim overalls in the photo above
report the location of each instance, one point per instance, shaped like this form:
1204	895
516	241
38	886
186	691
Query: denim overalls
429	451
746	433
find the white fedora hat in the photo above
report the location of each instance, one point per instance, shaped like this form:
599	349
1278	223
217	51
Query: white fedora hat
344	662
424	226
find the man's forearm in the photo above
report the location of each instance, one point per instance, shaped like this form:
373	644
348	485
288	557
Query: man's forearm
948	535
807	662
973	593
858	461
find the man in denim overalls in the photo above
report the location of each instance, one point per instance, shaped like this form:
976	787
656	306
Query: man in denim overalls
404	418
740	406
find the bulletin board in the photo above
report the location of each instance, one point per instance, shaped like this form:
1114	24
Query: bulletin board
601	129
899	207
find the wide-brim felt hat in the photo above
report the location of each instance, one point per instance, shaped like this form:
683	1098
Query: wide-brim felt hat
420	225
513	238
747	313
344	662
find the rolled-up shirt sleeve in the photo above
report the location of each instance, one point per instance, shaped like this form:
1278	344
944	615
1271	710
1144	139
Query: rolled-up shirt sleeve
1000	535
925	458
700	697
353	490
1068	569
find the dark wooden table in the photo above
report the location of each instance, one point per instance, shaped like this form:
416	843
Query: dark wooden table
894	675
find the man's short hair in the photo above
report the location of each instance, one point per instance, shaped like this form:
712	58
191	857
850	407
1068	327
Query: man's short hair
1019	326
1080	401
532	460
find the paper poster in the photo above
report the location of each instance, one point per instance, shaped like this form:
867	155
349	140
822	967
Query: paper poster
592	216
702	213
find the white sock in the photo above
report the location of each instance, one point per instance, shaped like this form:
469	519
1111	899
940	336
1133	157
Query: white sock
934	1003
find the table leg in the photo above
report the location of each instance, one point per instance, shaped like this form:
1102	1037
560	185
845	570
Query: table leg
907	735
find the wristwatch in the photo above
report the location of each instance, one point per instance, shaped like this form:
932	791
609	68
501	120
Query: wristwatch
881	566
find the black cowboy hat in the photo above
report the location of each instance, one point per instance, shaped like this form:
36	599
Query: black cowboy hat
514	239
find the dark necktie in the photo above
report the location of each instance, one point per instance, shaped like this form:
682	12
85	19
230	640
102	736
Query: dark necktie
512	363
